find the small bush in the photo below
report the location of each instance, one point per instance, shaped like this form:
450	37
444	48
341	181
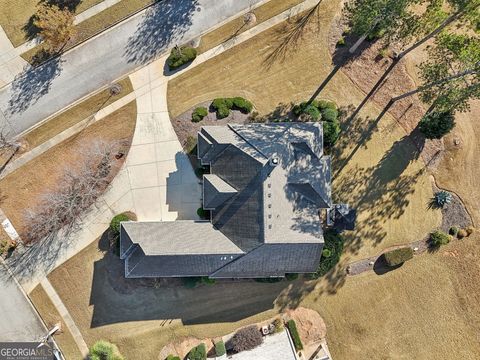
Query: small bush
398	256
439	238
334	243
292	327
331	131
172	357
247	338
341	42
470	230
437	124
220	348
202	213
461	233
103	350
199	113
115	223
278	325
326	253
329	114
298	109
453	230
291	277
198	353
181	56
222	112
441	198
310	113
7	246
324	104
242	104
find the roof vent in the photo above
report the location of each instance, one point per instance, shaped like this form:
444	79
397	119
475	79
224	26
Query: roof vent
274	161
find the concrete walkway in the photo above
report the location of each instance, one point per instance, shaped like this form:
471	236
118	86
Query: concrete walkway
67	318
157	181
11	64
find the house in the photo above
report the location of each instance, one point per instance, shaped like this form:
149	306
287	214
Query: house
266	187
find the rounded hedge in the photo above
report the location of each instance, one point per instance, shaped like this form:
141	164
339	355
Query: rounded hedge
242	104
437	124
103	350
326	253
198	353
181	56
115	223
329	114
199	113
331	131
398	256
439	238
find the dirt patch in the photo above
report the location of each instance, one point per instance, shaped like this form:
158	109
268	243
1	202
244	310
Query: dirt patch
310	324
185	127
182	348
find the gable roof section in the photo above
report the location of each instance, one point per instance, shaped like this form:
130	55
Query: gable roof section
215	191
182	237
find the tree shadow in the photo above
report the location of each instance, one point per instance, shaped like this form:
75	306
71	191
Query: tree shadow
29	86
162	24
290	34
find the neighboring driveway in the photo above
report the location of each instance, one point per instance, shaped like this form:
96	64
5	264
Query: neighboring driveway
19	321
39	93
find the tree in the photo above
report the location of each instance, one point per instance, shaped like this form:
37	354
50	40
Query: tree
451	54
55	24
62	209
247	338
103	350
436	125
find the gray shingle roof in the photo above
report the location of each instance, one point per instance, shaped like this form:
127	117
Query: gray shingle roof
267	184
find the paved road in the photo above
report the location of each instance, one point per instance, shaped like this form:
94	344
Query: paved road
34	95
19	321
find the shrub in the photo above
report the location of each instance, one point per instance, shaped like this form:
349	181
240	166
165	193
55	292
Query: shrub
292	327
220	348
331	131
115	223
461	233
103	350
470	230
7	246
207	280
202	213
324	104
439	238
191	144
329	114
437	124
198	352
278	325
310	113
398	256
453	230
298	109
334	243
172	357
326	253
341	42
442	198
270	280
247	338
291	277
242	104
180	56
199	113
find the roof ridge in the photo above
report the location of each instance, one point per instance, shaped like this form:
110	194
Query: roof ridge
235	260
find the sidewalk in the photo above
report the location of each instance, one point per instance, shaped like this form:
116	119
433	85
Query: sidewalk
11	64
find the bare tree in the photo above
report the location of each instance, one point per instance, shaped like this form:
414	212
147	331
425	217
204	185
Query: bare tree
62	209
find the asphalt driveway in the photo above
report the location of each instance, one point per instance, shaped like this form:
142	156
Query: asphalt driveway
19	322
36	94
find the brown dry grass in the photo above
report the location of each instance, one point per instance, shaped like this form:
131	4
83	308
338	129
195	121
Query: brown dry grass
15	14
377	168
51	317
87	108
23	188
237	26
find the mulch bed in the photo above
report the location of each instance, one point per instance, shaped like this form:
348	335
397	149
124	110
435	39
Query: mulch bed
184	126
366	67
